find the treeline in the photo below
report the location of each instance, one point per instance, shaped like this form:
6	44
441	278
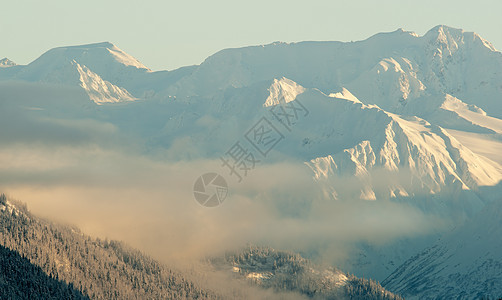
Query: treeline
97	269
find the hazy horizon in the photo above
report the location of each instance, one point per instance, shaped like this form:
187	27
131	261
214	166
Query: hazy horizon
165	36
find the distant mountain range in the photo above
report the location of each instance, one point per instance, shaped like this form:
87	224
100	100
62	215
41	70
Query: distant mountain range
407	118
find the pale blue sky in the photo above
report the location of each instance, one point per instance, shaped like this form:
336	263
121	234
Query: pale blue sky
166	34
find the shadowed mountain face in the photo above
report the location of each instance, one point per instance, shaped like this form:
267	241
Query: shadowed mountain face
20	279
464	262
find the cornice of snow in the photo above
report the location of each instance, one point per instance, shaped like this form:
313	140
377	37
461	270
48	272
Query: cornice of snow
345	94
87	49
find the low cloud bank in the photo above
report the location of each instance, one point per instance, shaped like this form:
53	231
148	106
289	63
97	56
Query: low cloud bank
88	172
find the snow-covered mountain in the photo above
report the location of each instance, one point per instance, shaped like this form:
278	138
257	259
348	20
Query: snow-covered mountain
80	65
388	69
397	117
105	59
333	145
421	163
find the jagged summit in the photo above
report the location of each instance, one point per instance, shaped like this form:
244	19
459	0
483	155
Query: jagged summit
453	37
283	91
5	63
444	28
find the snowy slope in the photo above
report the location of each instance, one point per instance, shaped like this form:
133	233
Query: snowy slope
341	138
381	141
465	262
99	90
283	91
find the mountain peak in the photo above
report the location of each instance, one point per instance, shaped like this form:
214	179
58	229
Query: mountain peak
5	63
102	51
401	31
283	91
453	37
445	34
104	59
392	38
444	29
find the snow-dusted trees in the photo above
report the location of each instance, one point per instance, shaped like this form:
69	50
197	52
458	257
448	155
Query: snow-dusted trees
98	269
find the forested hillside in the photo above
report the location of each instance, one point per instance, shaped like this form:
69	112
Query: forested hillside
288	271
20	279
94	268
